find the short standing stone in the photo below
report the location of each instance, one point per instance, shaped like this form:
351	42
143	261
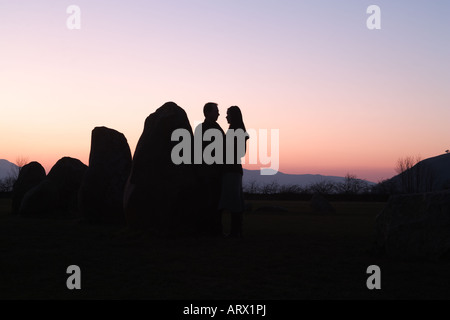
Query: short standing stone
319	204
272	209
30	176
57	194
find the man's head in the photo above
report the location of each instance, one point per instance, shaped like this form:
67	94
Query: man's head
211	111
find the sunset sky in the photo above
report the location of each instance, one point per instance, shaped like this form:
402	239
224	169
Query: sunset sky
344	98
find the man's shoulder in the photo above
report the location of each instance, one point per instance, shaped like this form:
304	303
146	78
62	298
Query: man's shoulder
211	125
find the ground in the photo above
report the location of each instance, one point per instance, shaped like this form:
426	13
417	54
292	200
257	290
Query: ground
283	256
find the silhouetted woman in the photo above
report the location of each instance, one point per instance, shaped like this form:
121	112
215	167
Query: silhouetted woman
232	198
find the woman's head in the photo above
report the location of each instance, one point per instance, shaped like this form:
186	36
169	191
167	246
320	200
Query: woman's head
234	118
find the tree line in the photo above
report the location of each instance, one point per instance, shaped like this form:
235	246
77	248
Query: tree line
351	185
413	177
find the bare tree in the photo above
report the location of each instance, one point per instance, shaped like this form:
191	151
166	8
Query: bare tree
21	161
352	185
406	163
415	175
408	178
3	185
7	184
270	188
291	189
252	187
322	187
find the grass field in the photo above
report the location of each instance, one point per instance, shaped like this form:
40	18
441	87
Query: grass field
288	256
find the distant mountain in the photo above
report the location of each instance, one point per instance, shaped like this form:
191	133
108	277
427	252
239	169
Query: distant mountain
7	168
431	174
302	180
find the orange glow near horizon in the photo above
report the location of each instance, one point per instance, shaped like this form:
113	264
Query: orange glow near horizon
345	99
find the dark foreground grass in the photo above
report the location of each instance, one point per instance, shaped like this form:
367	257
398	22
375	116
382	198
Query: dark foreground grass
289	256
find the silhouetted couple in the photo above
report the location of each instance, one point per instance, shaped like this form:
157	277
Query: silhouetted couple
221	181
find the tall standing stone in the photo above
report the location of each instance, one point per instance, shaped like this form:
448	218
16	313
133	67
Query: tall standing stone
160	196
101	191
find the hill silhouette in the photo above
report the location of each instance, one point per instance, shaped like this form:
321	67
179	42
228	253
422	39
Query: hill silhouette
431	174
7	168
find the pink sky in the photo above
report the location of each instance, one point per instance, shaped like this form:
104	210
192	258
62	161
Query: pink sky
345	99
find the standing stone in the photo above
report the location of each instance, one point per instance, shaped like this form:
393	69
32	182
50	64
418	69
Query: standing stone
30	176
57	194
272	209
101	193
161	197
415	226
321	205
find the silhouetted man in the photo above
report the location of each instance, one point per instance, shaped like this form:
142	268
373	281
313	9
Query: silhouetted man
210	176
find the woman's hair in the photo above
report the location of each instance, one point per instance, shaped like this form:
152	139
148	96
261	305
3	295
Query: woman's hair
236	118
